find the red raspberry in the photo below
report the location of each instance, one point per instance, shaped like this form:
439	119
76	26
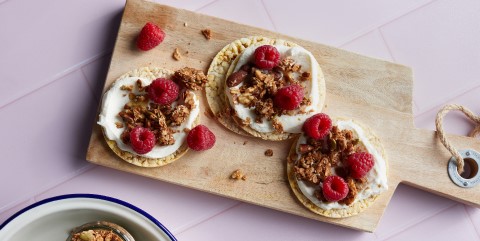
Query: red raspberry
150	36
266	57
334	188
359	164
200	138
288	98
317	126
142	140
163	91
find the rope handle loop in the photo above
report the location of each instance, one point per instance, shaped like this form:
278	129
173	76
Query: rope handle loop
441	133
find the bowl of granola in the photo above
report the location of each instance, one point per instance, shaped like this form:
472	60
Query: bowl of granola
60	217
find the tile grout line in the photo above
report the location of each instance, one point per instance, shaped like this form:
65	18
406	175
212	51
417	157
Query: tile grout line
206	5
268	15
380	24
77	173
390	52
474	89
419	220
57	77
45	188
209	218
92	91
477	229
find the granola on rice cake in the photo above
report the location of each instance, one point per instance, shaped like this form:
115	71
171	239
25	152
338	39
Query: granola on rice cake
340	174
130	109
267	101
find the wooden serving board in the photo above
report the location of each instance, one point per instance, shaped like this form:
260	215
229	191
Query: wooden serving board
374	92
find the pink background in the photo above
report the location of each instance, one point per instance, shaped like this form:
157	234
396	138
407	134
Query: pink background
53	60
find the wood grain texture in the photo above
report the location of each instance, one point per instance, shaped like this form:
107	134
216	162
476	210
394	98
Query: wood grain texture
374	92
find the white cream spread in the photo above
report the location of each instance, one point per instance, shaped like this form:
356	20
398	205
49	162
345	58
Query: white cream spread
290	124
113	102
376	177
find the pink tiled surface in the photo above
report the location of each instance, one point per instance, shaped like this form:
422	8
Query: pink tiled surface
53	61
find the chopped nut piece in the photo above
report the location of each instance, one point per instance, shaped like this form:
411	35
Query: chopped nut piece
126	87
207	33
269	152
304	148
119	124
176	55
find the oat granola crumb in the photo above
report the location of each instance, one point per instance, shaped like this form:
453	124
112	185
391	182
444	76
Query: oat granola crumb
185	24
207	33
269	152
176	55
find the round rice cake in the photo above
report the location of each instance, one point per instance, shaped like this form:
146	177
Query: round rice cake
222	66
353	209
149	73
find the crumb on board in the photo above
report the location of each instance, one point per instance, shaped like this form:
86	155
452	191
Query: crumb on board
238	175
176	55
185	24
245	142
269	152
207	33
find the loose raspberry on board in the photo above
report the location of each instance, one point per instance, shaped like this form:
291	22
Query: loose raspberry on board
150	36
200	138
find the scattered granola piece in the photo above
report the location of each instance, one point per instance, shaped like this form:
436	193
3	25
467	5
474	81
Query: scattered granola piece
185	24
245	142
176	55
237	175
207	33
269	152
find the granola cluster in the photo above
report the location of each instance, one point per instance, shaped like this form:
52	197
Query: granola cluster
260	86
96	235
160	119
191	78
325	157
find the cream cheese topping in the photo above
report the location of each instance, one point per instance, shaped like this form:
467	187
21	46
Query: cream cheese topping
290	124
113	102
376	177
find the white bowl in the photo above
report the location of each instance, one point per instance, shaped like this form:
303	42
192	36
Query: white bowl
54	218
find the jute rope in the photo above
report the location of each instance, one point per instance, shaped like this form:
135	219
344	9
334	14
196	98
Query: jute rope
441	134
